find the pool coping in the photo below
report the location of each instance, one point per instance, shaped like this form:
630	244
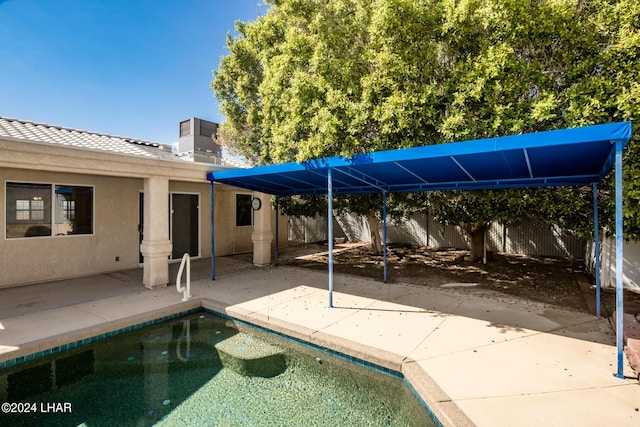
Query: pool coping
437	402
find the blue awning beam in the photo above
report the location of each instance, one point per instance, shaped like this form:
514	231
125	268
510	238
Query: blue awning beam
526	157
567	157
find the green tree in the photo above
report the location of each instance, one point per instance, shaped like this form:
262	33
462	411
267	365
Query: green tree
291	91
314	78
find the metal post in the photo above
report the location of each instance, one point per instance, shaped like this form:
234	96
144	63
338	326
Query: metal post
277	230
619	259
484	244
330	232
384	233
213	240
596	239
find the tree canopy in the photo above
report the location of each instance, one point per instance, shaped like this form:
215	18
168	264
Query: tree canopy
316	78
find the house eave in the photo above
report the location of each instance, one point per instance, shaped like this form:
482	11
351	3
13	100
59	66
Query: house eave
22	154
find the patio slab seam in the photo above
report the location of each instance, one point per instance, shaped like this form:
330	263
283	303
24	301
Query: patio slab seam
531	333
623	383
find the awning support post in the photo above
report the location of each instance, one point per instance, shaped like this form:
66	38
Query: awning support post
384	233
619	263
596	239
213	241
277	230
330	232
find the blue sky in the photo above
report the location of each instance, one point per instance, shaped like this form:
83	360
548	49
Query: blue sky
125	67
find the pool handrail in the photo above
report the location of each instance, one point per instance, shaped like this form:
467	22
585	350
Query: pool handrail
186	290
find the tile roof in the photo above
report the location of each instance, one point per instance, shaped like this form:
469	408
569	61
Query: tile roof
74	138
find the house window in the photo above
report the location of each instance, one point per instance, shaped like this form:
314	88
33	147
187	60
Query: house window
244	213
74	210
28	210
44	210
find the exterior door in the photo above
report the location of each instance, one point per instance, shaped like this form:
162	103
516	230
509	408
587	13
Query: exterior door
185	225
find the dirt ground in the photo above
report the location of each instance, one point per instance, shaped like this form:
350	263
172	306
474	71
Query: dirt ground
551	281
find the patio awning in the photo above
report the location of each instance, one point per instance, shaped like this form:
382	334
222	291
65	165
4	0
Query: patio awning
578	156
567	157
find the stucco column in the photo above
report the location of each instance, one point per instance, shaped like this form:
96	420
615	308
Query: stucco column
155	246
262	235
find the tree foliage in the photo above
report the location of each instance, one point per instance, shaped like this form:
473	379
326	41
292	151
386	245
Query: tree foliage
315	78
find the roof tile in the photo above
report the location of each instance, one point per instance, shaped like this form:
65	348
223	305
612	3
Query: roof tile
56	135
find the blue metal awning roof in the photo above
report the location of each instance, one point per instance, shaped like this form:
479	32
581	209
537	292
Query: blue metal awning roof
577	156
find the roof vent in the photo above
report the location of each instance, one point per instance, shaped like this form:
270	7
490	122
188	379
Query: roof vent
145	143
185	128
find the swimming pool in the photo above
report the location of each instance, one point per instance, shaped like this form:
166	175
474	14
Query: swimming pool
203	369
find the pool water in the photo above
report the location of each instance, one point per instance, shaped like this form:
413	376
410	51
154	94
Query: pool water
206	370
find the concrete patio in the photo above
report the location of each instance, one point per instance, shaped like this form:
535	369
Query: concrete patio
475	361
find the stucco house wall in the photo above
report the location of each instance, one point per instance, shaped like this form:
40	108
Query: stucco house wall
33	259
117	180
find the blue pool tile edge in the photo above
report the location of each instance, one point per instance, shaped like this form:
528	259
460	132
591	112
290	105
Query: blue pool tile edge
95	338
433	416
57	349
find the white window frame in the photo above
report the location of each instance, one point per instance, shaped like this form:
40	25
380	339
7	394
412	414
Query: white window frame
53	214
